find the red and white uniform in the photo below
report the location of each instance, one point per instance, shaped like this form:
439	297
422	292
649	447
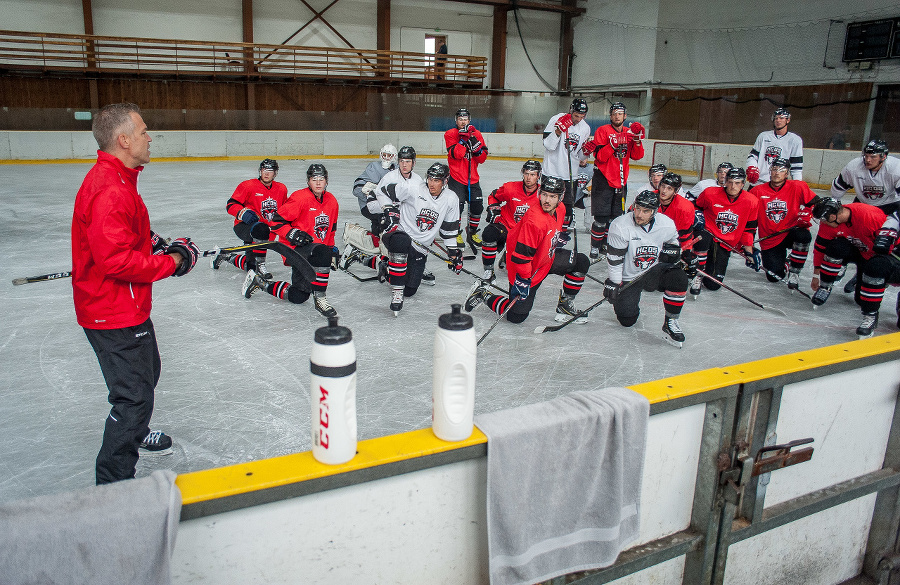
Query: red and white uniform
532	244
304	212
733	222
254	195
516	201
461	169
681	211
112	261
778	209
612	149
862	227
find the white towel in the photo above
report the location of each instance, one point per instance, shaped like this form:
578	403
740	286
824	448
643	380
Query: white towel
564	483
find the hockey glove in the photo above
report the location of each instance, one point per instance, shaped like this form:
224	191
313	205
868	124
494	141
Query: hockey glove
564	123
753	258
752	174
456	259
884	240
690	263
368	187
464	132
521	288
335	258
670	253
637	131
493	212
391	219
260	231
373	205
562	239
611	290
157	244
589	148
804	218
475	145
699	220
299	237
188	251
248	216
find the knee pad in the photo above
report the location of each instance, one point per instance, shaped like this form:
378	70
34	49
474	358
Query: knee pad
297	296
321	256
397	242
516	317
582	263
627	320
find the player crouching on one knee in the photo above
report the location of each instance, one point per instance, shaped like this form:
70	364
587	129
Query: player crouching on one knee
414	214
862	234
531	255
308	222
644	244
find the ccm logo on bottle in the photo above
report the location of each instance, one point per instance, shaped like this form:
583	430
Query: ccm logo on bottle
322	437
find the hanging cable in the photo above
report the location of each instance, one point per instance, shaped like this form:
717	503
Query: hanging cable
515	10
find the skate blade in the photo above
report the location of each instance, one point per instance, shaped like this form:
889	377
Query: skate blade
562	318
671	341
866	336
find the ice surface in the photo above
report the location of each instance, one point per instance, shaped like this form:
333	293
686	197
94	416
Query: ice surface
235	373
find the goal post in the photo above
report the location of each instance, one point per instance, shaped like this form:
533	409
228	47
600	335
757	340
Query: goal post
685	158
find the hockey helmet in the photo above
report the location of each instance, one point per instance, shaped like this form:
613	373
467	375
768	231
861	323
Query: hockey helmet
648	199
407	153
736	173
553	185
724	165
617	106
876	147
780	162
463	113
781	112
438	171
657	168
388	155
579	106
531	165
826	207
316	170
268	164
673	179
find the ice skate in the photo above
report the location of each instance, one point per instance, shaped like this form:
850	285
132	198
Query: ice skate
672	333
868	325
428	278
477	295
396	300
565	310
252	283
323	306
156	443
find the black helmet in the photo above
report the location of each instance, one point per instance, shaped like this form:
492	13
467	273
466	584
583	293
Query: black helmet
825	207
780	162
673	179
406	152
657	168
617	106
438	171
781	112
268	164
463	113
736	173
532	165
579	106
724	165
648	199
316	170
876	147
553	185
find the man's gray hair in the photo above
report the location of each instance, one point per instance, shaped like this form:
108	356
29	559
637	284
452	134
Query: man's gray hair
111	121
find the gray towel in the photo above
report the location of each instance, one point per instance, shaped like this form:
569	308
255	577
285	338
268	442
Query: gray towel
564	483
117	533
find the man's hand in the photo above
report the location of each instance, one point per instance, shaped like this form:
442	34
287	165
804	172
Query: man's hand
456	259
189	253
563	124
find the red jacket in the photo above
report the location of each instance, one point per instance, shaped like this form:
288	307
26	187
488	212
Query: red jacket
263	201
613	148
112	263
681	211
531	244
778	210
461	169
303	211
516	200
865	222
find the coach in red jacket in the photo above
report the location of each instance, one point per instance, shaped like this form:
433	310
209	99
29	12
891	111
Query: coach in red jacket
115	259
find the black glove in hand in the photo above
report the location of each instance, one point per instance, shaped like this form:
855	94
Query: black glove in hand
456	259
188	251
299	237
611	290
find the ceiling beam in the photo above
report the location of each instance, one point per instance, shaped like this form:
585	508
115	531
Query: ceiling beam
542	6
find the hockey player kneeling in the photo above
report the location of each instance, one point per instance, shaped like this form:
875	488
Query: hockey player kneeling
531	256
644	244
414	215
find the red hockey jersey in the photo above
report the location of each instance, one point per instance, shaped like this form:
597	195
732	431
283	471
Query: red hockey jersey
304	212
532	243
516	202
611	149
462	169
778	209
865	222
263	201
733	222
681	211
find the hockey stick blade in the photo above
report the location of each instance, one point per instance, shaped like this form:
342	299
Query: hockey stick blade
743	296
41	278
781	279
360	278
469	272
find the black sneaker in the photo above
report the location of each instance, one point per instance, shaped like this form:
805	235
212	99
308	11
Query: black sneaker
868	325
156	443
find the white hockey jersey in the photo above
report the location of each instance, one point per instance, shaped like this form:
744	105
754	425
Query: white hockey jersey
631	250
648	186
768	146
422	216
556	160
394	177
695	191
880	188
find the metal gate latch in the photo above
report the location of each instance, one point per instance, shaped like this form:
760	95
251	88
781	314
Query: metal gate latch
735	478
781	456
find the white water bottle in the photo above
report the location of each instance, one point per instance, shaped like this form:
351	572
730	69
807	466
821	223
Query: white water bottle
453	396
332	392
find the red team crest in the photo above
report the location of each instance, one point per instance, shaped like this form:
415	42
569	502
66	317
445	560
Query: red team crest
776	210
726	221
268	207
573	140
772	152
321	225
873	192
645	256
426	220
520	211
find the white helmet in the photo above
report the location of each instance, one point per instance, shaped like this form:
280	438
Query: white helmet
388	156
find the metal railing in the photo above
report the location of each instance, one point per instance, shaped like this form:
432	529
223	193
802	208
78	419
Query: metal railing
92	54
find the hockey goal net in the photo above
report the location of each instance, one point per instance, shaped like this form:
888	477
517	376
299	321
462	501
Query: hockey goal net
685	158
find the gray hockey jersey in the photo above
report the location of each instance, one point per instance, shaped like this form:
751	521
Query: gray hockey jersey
632	249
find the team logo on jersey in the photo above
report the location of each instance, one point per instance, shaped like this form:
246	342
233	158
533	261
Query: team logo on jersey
520	211
726	221
772	152
776	210
554	242
645	256
268	207
321	225
427	219
573	141
873	191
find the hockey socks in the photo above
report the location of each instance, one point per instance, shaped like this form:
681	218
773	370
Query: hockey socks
474	220
673	301
572	283
321	282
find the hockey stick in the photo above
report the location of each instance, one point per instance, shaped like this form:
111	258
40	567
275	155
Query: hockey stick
359	278
497	320
572	189
469	272
781	279
444	250
743	296
41	278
